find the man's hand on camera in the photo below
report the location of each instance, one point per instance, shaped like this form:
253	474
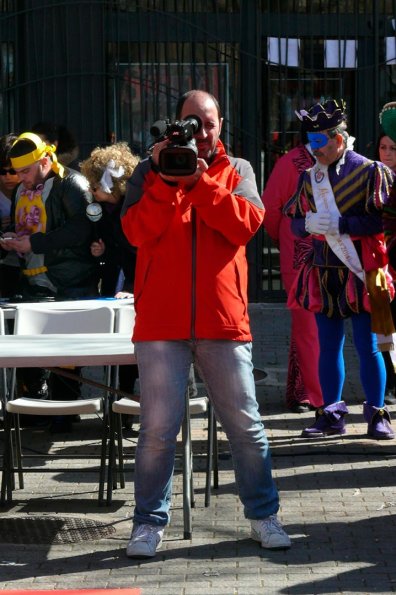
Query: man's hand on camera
188	182
185	182
157	148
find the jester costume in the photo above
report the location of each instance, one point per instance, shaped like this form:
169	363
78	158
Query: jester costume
324	283
344	274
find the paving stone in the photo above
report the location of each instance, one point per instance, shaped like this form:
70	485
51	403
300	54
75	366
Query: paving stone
338	500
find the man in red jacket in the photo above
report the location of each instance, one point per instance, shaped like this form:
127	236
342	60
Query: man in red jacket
191	307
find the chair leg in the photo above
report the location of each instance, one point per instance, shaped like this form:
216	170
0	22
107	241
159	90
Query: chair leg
111	470
192	476
209	455
8	471
111	461
186	438
103	458
120	451
106	431
15	458
215	455
18	452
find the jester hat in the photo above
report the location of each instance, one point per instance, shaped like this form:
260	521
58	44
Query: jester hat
324	116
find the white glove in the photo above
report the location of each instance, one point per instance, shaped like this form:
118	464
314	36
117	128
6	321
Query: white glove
334	226
317	223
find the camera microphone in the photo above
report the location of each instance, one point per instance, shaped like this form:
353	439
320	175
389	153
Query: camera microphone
94	214
159	128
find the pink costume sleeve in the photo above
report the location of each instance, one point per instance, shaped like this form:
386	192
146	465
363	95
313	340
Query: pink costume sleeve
281	186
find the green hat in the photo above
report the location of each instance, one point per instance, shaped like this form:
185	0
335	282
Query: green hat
387	118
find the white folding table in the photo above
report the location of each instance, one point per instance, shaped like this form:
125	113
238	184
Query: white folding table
9	307
51	351
46	351
93	349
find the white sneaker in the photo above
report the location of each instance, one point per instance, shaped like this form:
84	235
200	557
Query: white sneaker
145	540
269	532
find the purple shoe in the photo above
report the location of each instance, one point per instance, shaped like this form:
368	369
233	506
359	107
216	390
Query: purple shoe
329	421
378	420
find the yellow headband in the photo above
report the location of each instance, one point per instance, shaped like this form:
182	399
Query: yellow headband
40	151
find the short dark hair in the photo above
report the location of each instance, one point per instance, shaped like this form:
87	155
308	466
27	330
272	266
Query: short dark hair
48	131
185	96
56	135
23	146
382	133
6	143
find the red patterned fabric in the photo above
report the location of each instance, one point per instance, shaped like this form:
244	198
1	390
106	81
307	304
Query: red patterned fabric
302	376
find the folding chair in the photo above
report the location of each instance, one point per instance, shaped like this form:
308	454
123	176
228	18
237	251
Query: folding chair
3	378
194	406
36	321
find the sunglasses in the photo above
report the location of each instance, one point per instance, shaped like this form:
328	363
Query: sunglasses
4	172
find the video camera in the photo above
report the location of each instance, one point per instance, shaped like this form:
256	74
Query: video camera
179	158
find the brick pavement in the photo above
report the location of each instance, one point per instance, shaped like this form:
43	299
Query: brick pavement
338	498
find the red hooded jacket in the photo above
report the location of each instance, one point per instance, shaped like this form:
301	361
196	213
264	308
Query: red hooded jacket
191	272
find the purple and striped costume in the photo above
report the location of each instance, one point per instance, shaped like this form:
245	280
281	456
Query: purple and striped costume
324	284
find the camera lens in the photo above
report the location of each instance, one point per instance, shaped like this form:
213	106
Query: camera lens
178	161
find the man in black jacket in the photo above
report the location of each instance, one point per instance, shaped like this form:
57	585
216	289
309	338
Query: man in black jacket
52	232
52	237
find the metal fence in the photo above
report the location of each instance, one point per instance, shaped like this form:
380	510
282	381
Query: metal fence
108	69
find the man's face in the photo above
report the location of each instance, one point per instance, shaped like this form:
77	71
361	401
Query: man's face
326	150
201	105
34	174
8	178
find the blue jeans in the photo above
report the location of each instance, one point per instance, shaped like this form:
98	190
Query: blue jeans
226	367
